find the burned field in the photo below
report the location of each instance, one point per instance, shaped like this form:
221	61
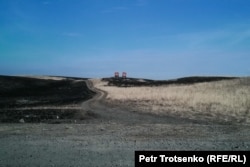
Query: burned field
58	100
24	99
131	82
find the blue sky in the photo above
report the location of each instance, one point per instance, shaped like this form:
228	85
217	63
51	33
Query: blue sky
158	39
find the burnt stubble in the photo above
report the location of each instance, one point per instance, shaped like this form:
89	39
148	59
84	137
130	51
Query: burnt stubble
41	100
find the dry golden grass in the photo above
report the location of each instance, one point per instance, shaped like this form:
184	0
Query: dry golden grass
227	100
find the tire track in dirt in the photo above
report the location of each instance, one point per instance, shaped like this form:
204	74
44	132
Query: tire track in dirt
100	96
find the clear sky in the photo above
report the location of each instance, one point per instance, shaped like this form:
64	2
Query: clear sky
157	39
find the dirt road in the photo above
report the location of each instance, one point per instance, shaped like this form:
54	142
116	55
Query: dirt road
110	137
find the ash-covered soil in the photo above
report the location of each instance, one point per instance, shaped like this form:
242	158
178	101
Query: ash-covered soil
26	99
128	82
